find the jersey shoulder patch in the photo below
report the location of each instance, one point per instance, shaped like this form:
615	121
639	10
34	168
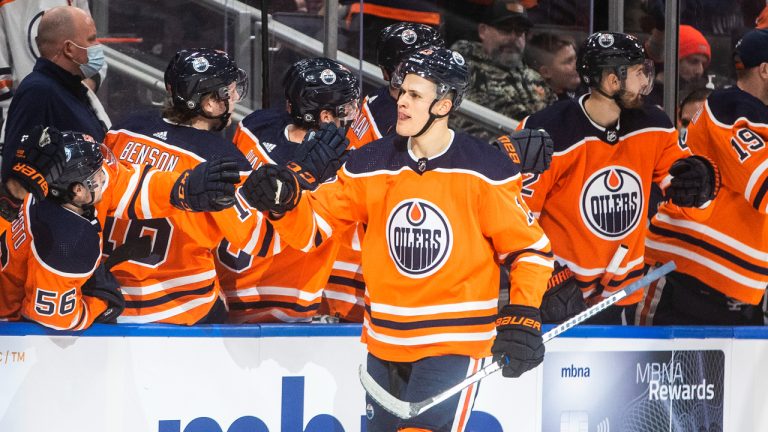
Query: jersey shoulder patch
63	240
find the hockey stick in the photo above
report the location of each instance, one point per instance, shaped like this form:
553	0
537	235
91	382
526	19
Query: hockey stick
406	410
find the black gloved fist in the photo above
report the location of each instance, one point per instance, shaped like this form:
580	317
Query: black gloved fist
695	180
210	186
103	285
518	339
531	148
272	188
319	156
38	161
135	248
563	298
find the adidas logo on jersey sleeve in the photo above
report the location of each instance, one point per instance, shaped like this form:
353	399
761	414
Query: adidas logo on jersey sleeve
269	147
162	135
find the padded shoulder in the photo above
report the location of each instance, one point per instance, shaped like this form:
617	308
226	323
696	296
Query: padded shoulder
729	105
64	240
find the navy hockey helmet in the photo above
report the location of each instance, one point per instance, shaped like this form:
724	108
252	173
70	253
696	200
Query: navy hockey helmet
612	51
194	73
84	158
316	84
398	41
447	69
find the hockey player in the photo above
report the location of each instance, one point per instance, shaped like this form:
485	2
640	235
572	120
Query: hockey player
291	286
51	252
378	112
721	250
177	283
609	147
441	209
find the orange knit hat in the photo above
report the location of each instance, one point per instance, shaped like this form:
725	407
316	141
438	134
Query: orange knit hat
693	42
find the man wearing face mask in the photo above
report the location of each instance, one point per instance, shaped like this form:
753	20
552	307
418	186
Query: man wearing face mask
500	80
53	94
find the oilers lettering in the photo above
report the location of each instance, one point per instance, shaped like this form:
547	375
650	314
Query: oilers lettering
425	243
419	238
140	153
615	210
612	202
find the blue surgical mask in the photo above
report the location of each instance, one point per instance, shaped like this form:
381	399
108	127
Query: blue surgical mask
95	60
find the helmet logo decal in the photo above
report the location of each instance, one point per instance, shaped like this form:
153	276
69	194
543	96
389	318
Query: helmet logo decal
605	40
409	37
420	238
611	202
200	64
328	77
458	58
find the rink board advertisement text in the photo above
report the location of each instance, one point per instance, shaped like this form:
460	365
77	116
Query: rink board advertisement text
304	379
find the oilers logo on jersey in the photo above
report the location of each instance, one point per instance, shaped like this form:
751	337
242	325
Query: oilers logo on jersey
419	238
612	202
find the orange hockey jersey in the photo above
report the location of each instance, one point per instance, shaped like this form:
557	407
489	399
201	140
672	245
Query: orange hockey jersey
594	196
433	239
49	251
177	283
724	245
289	286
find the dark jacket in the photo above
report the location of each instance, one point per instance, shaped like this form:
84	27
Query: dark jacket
49	96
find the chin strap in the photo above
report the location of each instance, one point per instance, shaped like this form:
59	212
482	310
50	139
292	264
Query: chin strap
432	118
223	119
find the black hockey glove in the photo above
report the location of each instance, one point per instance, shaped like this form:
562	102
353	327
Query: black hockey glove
530	148
563	298
210	186
272	188
319	156
133	249
38	161
518	339
103	285
695	180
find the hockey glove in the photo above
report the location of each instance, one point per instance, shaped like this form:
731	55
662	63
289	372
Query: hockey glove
695	180
210	186
563	298
272	188
39	160
530	148
518	339
319	156
133	249
103	285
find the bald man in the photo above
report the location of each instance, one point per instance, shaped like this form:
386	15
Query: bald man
53	94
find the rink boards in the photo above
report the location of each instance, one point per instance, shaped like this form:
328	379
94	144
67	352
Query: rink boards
303	378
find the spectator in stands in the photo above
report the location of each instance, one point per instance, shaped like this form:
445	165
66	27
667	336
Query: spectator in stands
694	55
18	29
53	94
554	58
500	80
